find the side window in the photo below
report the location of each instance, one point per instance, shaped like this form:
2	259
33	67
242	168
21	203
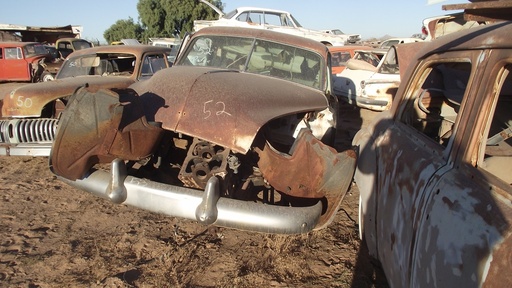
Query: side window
151	64
11	53
273	19
435	103
256	17
1	53
244	17
497	149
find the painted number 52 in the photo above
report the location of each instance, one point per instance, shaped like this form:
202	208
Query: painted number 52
219	108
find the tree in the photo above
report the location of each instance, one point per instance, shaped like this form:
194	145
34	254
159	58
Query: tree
167	18
124	29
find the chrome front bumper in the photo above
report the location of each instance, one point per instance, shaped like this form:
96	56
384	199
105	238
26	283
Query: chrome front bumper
206	207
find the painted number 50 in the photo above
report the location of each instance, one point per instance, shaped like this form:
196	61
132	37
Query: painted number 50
24	102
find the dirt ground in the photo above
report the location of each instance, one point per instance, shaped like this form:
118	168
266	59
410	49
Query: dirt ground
52	235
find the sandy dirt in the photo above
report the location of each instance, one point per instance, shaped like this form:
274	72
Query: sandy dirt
53	235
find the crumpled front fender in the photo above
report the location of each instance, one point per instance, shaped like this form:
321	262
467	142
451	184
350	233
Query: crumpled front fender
98	127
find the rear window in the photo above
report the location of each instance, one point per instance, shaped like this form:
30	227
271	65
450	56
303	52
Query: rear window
101	64
339	59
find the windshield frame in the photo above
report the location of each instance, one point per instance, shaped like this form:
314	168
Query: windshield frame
38	49
257	56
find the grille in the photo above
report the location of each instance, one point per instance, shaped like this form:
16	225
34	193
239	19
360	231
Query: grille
27	130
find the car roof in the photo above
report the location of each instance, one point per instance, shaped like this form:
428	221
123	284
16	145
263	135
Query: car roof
493	36
16	43
134	49
71	39
350	48
249	8
266	35
403	38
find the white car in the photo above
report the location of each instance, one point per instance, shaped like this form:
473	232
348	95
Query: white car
270	19
395	41
352	38
368	82
437	26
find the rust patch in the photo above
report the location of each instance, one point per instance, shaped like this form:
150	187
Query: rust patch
96	128
313	170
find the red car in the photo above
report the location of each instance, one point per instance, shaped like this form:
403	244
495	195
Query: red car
341	54
22	61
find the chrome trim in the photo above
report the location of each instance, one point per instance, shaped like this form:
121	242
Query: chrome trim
27	137
25	149
16	131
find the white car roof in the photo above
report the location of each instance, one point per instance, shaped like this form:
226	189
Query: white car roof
241	9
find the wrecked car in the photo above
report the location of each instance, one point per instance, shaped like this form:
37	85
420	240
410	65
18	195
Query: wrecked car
341	54
351	38
438	26
25	62
270	19
434	172
29	113
370	79
66	46
386	44
238	133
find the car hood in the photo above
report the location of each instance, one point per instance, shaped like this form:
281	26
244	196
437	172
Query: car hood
225	107
29	100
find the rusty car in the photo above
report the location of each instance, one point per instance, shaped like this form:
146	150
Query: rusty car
238	133
434	172
29	113
25	62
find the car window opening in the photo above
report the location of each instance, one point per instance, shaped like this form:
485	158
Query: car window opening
498	146
434	107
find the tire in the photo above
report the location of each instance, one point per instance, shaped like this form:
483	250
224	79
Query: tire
47	76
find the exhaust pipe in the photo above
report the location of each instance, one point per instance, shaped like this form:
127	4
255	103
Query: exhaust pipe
206	207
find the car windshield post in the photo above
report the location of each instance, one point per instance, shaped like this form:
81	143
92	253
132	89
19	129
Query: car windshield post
295	21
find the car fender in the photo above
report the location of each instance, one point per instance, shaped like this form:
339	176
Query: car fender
29	100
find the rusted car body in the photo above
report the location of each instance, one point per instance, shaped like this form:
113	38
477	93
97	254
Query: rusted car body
29	113
24	62
236	134
434	172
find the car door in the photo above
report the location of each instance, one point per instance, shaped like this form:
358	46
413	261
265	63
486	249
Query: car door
15	65
411	153
463	234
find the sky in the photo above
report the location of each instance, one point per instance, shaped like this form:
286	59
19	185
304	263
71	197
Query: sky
370	18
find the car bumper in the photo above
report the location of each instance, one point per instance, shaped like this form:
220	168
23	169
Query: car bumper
206	207
372	104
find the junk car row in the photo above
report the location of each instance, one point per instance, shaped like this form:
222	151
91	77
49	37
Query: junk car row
240	133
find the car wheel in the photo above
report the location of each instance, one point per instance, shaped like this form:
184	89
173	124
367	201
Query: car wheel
47	76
